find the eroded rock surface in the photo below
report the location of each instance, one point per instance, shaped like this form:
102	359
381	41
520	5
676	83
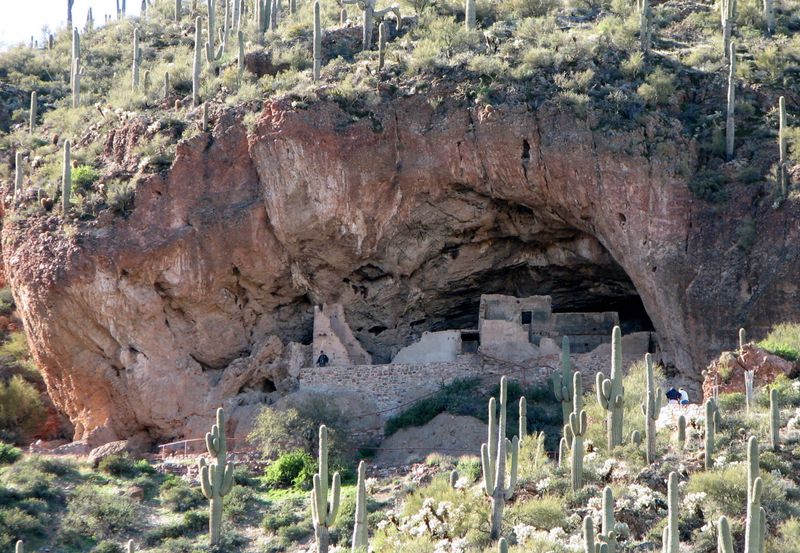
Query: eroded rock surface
405	217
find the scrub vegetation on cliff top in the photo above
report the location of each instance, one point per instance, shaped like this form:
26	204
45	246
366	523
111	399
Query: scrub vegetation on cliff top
605	60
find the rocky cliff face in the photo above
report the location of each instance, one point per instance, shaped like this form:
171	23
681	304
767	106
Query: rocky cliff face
405	216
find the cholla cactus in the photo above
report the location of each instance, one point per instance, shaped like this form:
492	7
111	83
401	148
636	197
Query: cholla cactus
66	179
198	30
708	451
323	514
137	58
216	479
611	394
609	535
672	537
651	409
562	382
681	433
493	460
360	536
369	14
774	420
317	41
730	126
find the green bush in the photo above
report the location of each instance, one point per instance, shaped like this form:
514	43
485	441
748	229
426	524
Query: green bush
9	454
83	177
106	546
17	524
469	467
658	88
21	409
238	503
285	513
98	514
143	466
460	397
788	392
783	340
788	536
731	401
544	513
7	305
293	469
117	465
179	497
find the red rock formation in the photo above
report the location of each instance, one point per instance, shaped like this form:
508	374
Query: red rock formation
728	370
405	216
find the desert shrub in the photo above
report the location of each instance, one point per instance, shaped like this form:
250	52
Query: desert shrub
143	466
709	185
731	402
8	453
788	392
83	177
543	513
632	67
783	340
238	502
21	409
98	514
28	480
192	522
120	197
285	513
788	536
179	497
342	529
658	88
117	465
460	397
293	469
295	532
281	431
6	302
469	467
106	546
15	524
533	461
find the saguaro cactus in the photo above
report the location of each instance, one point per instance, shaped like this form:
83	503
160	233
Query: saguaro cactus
453	478
769	15
522	431
69	13
76	49
724	538
651	409
89	21
369	15
755	525
129	547
609	535
20	547
672	543
77	73
645	19
18	174
728	19
66	179
730	127
198	30
360	537
562	382
578	424
774	420
240	57
469	15
782	177
611	394
317	41
216	479
563	451
493	460
588	535
177	10
749	376
708	455
323	513
137	58
681	433
382	30
502	546
166	85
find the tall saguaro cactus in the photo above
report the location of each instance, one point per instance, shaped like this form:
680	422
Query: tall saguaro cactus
18	174
609	535
469	15
756	517
724	537
66	179
730	127
177	11
651	409
727	18
198	40
610	392
70	3
360	535
672	544
137	58
522	432
323	513
782	177
774	420
562	382
216	479
708	442
749	377
493	460
317	41
369	14
382	32
645	22
578	424
681	432
769	15
20	547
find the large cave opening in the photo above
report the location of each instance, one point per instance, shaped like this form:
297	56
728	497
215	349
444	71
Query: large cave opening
516	254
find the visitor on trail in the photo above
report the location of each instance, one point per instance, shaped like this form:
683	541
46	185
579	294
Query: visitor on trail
322	360
684	396
673	395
